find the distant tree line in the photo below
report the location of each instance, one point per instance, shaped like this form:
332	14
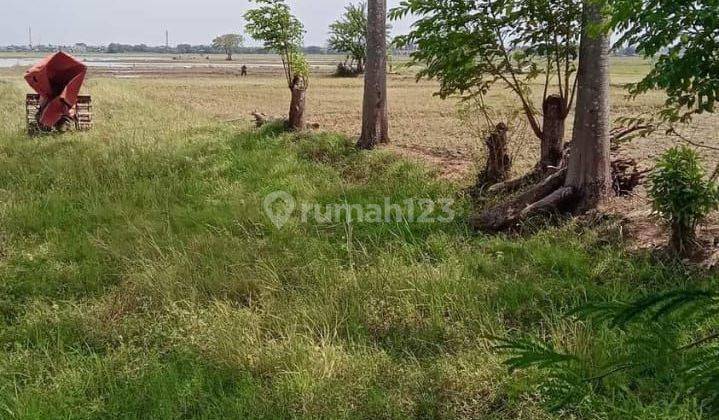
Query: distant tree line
116	48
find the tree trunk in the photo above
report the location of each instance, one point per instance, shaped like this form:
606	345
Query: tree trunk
588	169
360	66
683	240
375	122
498	161
580	183
384	122
552	132
297	108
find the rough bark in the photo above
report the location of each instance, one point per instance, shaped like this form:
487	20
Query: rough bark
683	239
297	106
375	124
508	214
384	122
552	132
499	163
588	169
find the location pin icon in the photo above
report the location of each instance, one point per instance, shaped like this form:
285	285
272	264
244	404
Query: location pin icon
279	206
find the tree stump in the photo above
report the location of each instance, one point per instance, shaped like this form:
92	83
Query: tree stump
499	163
552	144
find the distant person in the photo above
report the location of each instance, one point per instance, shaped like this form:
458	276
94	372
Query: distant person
244	71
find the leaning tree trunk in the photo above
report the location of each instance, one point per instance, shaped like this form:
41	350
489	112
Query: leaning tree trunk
552	132
297	105
588	171
375	122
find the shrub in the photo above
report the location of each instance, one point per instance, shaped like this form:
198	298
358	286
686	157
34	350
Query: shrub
345	70
681	195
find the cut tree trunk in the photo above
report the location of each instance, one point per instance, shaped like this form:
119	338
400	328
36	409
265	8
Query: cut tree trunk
297	108
552	147
589	171
552	132
375	122
499	163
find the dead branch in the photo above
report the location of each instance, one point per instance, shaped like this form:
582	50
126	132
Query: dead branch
552	202
508	214
621	135
262	119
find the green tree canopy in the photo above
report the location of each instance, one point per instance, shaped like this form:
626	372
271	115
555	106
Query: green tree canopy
229	43
469	45
683	38
349	33
273	23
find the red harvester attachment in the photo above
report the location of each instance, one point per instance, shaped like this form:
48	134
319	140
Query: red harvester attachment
57	105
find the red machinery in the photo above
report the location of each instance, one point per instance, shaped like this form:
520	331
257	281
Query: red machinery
57	105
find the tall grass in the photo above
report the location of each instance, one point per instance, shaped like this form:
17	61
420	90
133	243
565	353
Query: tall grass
140	278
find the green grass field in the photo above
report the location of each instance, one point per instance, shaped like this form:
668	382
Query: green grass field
140	278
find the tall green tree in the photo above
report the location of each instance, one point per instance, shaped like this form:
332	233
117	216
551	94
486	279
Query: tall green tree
348	34
273	23
584	178
671	351
229	43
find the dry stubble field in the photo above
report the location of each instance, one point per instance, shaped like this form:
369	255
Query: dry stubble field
423	126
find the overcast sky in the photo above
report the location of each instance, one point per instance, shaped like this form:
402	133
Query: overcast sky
64	22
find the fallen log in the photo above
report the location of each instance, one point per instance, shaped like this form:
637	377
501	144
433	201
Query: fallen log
552	202
516	183
262	119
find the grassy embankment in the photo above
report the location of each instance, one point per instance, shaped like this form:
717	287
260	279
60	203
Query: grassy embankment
141	279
